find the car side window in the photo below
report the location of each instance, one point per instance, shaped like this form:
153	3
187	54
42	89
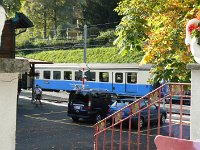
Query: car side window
113	97
126	103
103	96
142	104
153	107
95	97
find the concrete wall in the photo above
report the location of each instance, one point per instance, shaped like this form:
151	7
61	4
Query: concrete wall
9	69
195	106
195	102
8	104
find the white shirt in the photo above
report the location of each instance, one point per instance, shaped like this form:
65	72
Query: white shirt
38	91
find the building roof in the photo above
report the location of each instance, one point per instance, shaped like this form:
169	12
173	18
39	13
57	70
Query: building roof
34	61
21	21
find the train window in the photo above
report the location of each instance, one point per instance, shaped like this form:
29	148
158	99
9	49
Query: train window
131	77
67	75
78	75
56	75
91	76
37	74
103	76
46	74
119	77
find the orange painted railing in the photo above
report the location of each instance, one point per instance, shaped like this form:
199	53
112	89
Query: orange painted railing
117	132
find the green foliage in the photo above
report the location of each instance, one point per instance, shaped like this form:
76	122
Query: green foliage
105	38
94	55
100	12
133	28
158	29
11	6
108	35
23	40
195	33
51	16
27	41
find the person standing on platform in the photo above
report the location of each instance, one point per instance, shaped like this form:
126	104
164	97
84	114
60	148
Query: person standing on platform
38	94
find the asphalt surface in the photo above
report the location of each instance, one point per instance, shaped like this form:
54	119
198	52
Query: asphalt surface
62	98
47	126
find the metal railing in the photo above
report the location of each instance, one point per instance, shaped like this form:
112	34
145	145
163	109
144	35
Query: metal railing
119	132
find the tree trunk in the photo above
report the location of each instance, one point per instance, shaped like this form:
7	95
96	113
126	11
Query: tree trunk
55	18
45	24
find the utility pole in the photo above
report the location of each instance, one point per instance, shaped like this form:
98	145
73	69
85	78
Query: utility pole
85	46
85	42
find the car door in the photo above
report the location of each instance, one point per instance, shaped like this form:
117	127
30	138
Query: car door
154	112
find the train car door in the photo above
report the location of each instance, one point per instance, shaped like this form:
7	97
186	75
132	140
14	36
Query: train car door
118	85
131	86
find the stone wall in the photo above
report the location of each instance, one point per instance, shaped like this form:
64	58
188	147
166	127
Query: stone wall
9	70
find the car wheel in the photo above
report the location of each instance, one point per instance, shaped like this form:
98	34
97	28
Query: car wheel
141	122
98	118
162	119
75	119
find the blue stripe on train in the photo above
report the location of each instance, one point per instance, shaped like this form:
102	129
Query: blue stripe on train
132	89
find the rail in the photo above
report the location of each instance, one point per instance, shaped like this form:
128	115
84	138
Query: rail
119	132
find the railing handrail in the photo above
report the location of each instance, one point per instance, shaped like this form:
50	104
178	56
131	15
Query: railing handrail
102	125
132	103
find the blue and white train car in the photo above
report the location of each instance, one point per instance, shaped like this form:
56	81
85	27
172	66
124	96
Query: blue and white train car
129	79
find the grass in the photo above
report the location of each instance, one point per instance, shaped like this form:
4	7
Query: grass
94	55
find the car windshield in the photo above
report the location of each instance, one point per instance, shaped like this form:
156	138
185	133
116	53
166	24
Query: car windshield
79	96
125	102
121	103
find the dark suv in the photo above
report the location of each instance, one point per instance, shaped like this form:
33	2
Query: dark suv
90	104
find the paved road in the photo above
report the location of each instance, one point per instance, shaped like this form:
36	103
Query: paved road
48	127
61	96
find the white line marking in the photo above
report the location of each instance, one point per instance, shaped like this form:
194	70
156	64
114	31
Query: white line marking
46	102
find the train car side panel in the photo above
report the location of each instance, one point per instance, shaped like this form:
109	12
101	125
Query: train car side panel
119	78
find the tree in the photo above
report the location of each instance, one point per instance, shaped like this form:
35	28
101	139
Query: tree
100	12
11	6
47	16
158	29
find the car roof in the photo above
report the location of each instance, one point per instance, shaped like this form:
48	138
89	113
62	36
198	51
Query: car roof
124	96
127	99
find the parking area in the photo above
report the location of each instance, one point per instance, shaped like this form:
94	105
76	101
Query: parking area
47	126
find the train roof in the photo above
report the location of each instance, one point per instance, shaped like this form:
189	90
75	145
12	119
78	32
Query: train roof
96	66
